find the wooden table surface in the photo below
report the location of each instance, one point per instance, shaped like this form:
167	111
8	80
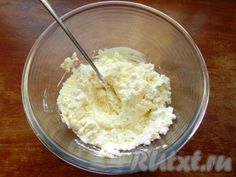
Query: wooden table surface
212	24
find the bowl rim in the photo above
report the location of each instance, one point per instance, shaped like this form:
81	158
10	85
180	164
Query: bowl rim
84	164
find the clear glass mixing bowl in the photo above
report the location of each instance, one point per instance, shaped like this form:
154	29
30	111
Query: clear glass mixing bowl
104	25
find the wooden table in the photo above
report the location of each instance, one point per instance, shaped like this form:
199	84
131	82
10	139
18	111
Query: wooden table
212	24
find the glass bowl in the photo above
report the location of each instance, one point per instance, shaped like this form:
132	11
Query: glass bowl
113	24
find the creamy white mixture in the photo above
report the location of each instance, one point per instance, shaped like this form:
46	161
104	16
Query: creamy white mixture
132	111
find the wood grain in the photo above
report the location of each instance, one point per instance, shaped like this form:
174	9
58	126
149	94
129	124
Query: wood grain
212	24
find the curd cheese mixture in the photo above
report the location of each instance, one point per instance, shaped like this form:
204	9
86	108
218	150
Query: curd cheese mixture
133	110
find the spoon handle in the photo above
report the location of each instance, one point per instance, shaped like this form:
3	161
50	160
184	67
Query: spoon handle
70	35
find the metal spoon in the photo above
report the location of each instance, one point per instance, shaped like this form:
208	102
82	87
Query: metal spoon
70	35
